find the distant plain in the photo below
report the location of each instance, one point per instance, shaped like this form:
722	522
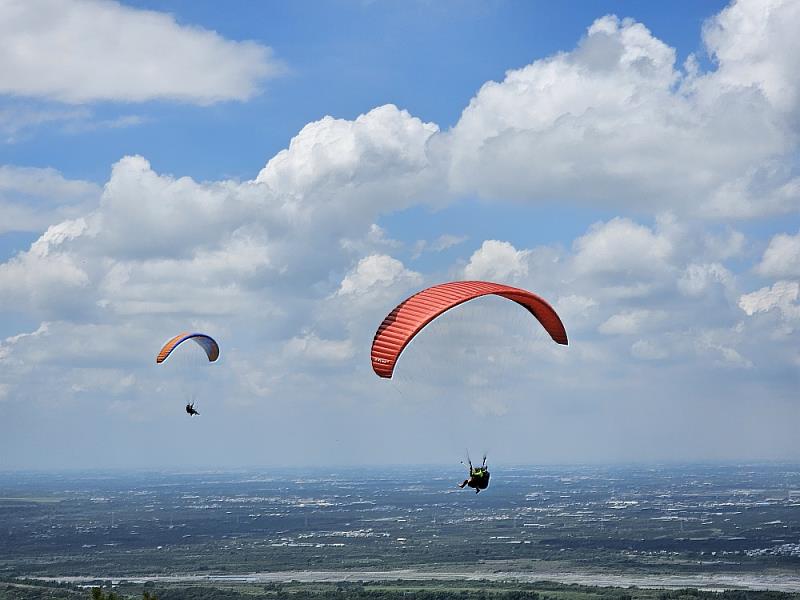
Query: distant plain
672	526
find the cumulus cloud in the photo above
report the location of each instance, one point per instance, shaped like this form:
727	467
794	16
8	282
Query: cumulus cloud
376	238
31	199
374	274
46	278
574	306
782	257
249	259
616	122
47	184
260	229
724	246
365	162
631	322
78	51
698	278
755	44
443	242
65	343
497	261
210	282
309	346
782	296
621	246
291	270
672	286
717	345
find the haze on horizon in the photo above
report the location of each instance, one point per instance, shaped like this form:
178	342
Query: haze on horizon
281	177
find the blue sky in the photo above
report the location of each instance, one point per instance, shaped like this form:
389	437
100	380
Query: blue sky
342	59
281	174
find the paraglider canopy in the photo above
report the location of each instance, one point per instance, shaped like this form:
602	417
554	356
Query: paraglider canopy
410	316
206	342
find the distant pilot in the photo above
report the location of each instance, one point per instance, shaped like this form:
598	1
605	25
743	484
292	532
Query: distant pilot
478	477
190	410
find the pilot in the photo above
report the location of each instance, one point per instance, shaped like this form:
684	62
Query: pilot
478	477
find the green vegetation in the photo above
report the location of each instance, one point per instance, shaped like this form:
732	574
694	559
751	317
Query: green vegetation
98	594
348	590
33	590
39	590
443	590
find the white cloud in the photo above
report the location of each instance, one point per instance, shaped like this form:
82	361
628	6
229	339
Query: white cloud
374	274
755	44
631	322
249	261
84	345
157	244
782	296
574	306
698	278
722	247
290	270
364	165
178	214
443	242
616	123
79	51
56	236
210	282
309	346
667	284
717	345
782	257
621	246
32	198
17	122
376	238
45	278
648	350
497	261
45	183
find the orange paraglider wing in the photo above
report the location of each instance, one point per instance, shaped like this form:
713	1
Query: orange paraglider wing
410	316
206	342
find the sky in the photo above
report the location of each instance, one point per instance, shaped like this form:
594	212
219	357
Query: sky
281	175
